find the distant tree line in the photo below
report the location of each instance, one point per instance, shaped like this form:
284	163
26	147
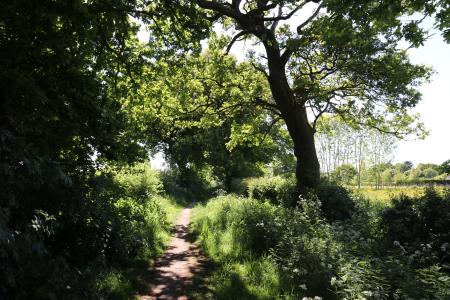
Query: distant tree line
358	156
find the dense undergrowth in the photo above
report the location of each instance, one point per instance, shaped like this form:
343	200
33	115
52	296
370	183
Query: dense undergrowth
267	251
85	250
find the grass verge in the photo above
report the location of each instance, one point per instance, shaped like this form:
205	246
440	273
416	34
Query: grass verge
125	283
242	269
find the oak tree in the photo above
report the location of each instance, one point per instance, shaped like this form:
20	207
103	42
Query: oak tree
340	57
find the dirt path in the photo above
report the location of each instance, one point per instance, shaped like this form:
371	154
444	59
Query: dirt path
174	271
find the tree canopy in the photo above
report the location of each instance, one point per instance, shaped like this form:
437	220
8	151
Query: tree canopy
342	58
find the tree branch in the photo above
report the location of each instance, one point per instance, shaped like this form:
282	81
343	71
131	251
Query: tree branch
267	105
321	112
285	17
234	39
274	25
274	121
316	12
286	55
225	10
259	68
260	9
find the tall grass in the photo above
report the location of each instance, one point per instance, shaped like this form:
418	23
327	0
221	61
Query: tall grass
264	251
145	216
154	220
233	232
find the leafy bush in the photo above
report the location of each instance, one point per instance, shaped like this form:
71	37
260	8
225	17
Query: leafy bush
139	181
60	121
307	252
337	204
420	225
434	283
244	231
119	220
237	234
276	189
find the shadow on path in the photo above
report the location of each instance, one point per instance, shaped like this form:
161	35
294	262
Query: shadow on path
182	270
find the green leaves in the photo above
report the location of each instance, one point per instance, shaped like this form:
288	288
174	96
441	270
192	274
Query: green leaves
61	122
346	69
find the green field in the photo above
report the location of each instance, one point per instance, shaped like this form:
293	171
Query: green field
385	195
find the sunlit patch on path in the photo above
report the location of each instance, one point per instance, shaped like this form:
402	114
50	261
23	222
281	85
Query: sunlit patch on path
174	271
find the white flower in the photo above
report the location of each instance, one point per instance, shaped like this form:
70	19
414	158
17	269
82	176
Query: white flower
367	293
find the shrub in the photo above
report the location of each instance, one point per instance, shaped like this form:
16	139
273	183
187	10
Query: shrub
306	256
115	220
297	241
307	253
408	282
420	224
277	190
434	283
337	203
135	233
139	181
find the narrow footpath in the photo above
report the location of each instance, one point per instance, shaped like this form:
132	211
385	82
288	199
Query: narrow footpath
173	273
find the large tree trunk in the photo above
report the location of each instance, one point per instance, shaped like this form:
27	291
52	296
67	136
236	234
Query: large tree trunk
308	168
295	117
294	114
